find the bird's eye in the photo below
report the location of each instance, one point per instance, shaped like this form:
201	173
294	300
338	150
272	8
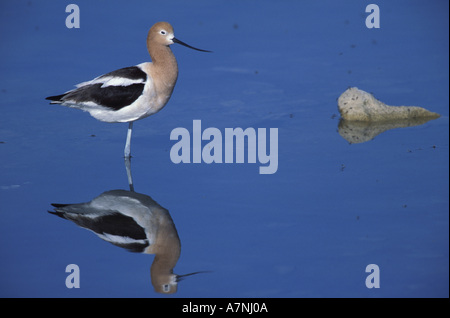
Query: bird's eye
162	32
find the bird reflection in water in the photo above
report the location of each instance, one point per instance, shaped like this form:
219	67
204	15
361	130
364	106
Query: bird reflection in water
135	222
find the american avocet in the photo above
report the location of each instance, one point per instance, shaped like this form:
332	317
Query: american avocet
135	222
131	93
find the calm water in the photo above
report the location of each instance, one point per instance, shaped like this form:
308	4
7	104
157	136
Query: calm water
310	229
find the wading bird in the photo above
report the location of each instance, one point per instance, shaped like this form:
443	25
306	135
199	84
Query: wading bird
131	93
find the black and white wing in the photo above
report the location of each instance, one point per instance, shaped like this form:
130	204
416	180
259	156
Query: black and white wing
113	90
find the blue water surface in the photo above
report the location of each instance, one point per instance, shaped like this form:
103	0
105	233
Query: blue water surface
308	230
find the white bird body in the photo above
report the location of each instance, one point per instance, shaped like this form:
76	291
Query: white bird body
138	220
148	103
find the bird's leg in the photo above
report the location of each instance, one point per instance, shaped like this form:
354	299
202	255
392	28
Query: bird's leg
127	151
128	168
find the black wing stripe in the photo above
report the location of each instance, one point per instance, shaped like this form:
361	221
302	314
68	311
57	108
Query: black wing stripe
114	97
132	72
113	224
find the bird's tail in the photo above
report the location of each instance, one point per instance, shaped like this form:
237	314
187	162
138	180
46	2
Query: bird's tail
57	99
